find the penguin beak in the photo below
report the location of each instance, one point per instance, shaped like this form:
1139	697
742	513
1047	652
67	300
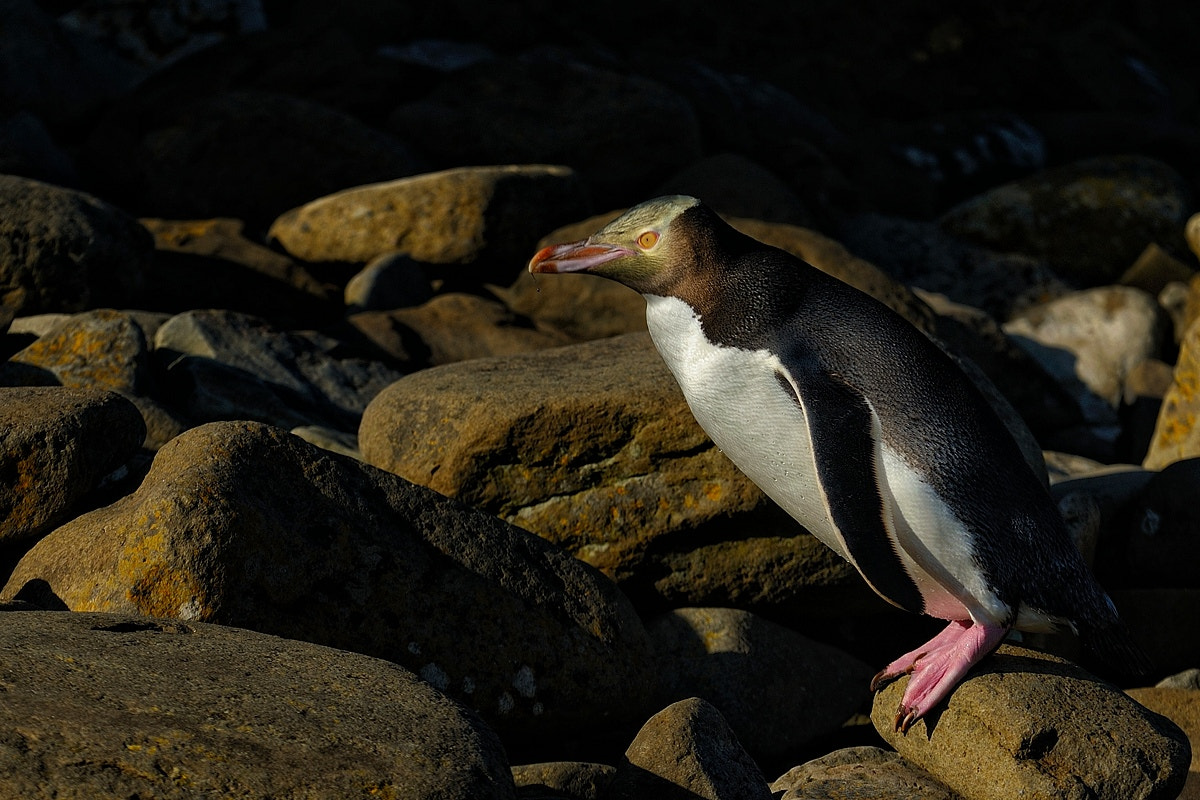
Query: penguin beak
576	256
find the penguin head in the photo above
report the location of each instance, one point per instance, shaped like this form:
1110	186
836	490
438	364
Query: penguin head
649	248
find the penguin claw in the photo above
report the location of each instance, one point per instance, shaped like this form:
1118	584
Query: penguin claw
905	717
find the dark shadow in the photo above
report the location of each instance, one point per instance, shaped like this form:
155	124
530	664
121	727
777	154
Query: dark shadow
37	592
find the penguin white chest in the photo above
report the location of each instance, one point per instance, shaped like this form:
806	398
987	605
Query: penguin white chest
738	400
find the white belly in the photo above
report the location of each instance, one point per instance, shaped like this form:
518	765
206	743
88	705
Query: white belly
736	397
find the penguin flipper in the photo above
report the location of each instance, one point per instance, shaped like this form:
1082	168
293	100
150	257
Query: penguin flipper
843	433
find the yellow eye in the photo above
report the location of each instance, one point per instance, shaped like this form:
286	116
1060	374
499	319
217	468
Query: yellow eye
647	240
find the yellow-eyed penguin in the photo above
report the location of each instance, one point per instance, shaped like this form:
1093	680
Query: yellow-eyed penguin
862	429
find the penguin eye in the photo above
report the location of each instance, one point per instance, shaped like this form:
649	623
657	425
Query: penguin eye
647	240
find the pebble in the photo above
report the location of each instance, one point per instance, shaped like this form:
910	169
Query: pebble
859	772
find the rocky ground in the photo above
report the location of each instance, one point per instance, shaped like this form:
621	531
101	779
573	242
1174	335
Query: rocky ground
309	490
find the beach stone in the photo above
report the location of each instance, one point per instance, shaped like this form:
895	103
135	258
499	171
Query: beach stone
1181	706
859	773
388	281
214	263
688	751
1025	724
1089	220
921	255
242	524
777	689
1091	340
735	185
227	365
562	780
452	327
107	705
247	154
592	447
1176	435
513	111
1154	269
1188	679
56	445
485	217
68	250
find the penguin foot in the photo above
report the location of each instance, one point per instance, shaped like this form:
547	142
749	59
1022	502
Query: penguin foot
938	666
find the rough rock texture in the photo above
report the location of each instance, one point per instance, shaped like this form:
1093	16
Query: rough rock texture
608	465
67	250
473	215
777	689
106	705
1025	724
688	751
859	773
243	524
1176	435
562	780
1181	706
55	446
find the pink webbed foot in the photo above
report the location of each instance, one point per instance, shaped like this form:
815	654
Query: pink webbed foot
937	666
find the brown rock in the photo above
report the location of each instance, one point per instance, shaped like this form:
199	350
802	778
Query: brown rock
488	217
688	751
1181	706
562	780
243	524
1025	724
859	773
55	446
104	705
1176	434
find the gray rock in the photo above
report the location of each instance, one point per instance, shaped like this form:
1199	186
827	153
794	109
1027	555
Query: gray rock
388	281
226	365
104	705
56	445
509	111
243	524
562	780
859	773
488	217
1188	679
777	689
1091	341
68	250
1024	724
1088	220
592	447
688	751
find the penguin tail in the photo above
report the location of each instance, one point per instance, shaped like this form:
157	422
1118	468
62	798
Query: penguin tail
1113	644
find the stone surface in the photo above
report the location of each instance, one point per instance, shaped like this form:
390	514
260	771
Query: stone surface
688	751
777	689
105	705
859	773
243	524
1024	724
68	250
1176	434
593	448
56	445
737	186
562	780
1181	706
387	281
1089	220
483	216
226	365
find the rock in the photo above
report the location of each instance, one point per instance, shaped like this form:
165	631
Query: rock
56	445
859	772
509	111
1154	269
593	448
921	255
1192	234
1188	679
1181	706
27	149
777	689
486	218
388	281
243	524
1025	724
688	751
212	263
68	250
1089	220
105	705
226	365
736	186
340	442
1091	340
1176	435
451	327
245	154
102	349
562	780
1165	622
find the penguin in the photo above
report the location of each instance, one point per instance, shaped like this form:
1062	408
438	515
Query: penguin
863	430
